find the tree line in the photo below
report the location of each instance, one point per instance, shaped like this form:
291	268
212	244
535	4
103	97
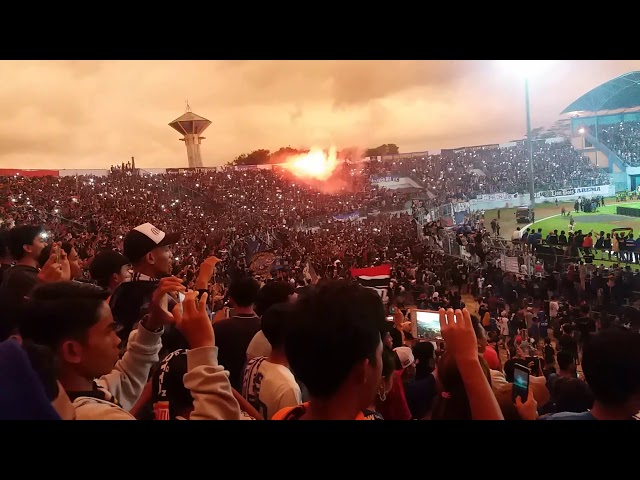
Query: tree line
264	157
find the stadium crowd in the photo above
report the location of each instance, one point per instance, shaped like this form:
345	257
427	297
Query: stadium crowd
623	139
212	296
465	173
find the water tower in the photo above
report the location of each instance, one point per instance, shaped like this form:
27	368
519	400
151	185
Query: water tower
191	126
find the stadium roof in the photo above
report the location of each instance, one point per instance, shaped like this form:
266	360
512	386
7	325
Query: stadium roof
620	93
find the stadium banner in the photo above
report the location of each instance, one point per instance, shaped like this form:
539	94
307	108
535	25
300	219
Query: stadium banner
11	172
460	207
375	278
576	192
347	217
376	180
187	170
492	197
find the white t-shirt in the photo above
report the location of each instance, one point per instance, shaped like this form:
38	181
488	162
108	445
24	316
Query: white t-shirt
269	387
504	325
259	346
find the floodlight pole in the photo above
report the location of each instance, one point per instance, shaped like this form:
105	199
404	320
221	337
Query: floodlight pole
529	148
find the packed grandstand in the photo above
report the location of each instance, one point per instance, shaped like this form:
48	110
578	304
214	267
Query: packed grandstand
256	237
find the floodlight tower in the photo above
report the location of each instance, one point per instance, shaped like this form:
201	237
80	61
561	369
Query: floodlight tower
526	69
191	126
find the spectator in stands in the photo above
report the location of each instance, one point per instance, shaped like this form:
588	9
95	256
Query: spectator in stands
149	250
339	323
109	269
77	324
234	334
611	365
270	294
268	384
25	245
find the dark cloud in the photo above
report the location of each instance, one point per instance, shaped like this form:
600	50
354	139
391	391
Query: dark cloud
91	114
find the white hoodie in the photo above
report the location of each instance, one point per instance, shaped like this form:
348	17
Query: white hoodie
208	382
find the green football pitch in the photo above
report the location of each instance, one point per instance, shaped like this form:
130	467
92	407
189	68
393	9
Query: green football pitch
604	220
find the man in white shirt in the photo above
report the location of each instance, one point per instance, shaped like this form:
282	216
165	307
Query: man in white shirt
268	384
554	307
515	236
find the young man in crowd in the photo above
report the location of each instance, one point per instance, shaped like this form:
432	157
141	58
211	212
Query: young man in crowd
268	384
334	347
76	323
109	269
611	366
234	334
149	250
25	246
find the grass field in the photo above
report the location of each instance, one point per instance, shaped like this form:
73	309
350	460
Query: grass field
602	221
550	219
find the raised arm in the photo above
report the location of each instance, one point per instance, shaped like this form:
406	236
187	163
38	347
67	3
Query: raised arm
461	341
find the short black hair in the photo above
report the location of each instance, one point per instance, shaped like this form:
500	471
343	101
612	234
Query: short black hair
244	291
275	322
572	395
334	327
611	366
272	293
565	358
21	236
61	311
423	352
106	263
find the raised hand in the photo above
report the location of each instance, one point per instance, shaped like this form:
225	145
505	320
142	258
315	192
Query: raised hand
56	270
193	322
159	314
64	264
459	336
50	271
207	269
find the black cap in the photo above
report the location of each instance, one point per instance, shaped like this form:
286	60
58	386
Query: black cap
105	264
144	238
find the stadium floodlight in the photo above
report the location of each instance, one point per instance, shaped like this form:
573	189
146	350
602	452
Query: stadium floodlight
527	69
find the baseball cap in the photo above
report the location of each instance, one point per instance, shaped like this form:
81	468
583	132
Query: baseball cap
405	355
106	263
144	238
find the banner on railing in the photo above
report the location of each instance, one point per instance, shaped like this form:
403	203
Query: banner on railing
510	264
567	192
461	207
375	180
187	170
497	196
347	217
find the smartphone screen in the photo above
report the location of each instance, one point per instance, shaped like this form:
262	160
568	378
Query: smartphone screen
520	383
427	324
181	297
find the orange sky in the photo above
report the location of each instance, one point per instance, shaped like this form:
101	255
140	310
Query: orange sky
91	114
